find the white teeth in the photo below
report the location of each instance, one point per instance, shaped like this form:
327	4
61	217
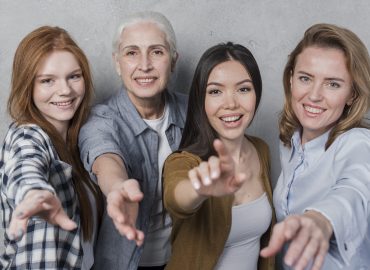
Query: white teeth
65	103
313	110
231	118
146	80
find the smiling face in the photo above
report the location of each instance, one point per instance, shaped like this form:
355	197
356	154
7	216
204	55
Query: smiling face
59	88
143	61
320	88
230	100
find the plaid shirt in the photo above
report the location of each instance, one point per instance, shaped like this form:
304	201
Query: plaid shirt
28	160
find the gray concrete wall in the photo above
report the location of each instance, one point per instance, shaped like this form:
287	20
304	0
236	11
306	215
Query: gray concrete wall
269	28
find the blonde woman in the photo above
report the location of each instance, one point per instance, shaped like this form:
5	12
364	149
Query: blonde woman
322	196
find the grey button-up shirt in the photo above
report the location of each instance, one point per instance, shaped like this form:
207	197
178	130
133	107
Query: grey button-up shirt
116	127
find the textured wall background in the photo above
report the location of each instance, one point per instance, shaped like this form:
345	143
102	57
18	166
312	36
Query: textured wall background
269	28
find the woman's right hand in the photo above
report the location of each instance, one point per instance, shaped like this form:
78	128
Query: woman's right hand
308	236
40	203
217	176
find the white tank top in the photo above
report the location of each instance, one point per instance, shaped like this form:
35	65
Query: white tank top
157	247
249	222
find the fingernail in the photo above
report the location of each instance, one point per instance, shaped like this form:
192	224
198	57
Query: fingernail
196	185
207	181
214	175
288	261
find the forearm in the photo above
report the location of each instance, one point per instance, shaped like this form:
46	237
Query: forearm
186	197
110	171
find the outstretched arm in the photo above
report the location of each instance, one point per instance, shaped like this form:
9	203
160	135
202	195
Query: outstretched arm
309	236
40	203
123	195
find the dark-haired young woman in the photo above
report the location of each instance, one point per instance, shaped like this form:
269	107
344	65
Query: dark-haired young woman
216	187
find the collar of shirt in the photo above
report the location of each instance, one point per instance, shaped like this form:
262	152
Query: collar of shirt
128	110
310	150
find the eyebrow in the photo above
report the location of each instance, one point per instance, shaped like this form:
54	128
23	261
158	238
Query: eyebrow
328	78
238	83
150	47
53	75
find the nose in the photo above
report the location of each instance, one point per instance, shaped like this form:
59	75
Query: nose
230	101
64	88
315	93
145	63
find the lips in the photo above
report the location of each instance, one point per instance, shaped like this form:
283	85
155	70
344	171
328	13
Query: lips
63	103
229	119
313	110
145	80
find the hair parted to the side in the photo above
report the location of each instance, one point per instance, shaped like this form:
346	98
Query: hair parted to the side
148	16
32	50
358	65
198	135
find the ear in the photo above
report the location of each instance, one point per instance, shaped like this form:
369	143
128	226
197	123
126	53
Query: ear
115	59
351	99
174	61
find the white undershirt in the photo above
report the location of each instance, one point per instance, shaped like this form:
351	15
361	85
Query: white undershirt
249	222
157	249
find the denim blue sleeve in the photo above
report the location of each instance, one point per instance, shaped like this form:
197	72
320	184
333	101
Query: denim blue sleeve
99	135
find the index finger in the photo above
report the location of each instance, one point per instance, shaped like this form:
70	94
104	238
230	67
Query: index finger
281	233
222	152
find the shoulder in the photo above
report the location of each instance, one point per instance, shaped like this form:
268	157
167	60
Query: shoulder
182	159
27	141
183	156
352	138
178	99
26	132
352	145
102	116
107	108
356	133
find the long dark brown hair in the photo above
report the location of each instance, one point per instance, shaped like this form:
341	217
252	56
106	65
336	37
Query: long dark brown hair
34	48
198	135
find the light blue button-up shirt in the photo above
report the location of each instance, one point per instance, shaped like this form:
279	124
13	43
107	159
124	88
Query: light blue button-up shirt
336	183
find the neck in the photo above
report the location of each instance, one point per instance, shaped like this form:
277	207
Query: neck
62	129
150	108
237	148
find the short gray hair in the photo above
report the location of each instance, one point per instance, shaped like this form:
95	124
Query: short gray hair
148	16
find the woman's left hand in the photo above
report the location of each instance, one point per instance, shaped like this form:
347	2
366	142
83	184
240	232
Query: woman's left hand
309	236
40	203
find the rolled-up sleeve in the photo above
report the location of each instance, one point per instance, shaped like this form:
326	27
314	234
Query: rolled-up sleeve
346	205
99	135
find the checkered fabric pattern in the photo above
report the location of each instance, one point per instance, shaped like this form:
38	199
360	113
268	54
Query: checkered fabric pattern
28	160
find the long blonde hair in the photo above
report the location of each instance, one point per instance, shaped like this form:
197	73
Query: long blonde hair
358	65
31	51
